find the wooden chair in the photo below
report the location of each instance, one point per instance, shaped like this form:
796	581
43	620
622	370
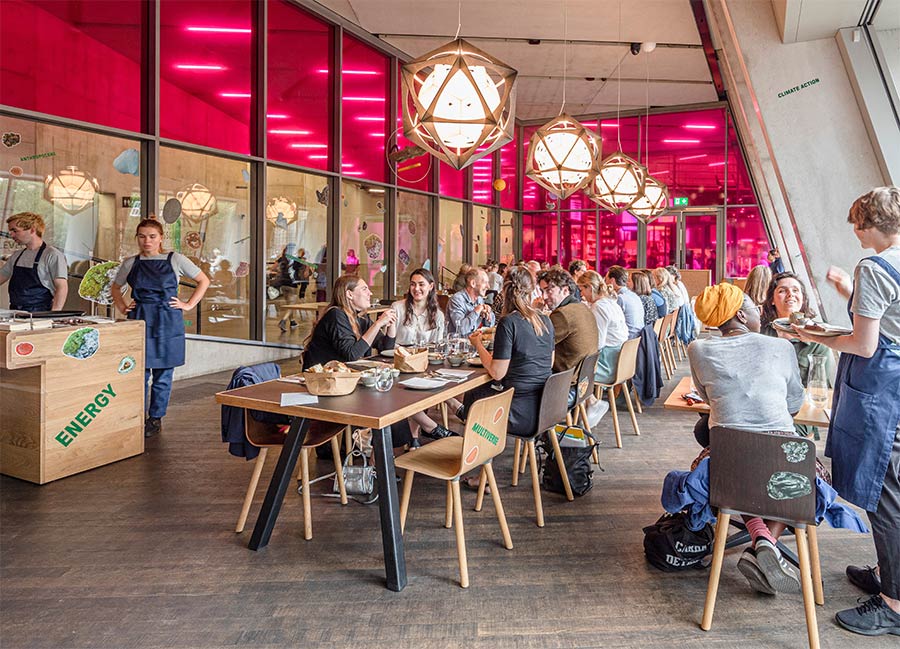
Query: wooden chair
625	369
662	328
266	436
744	474
452	457
584	388
553	411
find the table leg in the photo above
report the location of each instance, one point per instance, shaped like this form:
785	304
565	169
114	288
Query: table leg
389	508
278	486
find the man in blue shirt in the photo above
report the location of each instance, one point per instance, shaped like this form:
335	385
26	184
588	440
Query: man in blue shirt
467	309
617	278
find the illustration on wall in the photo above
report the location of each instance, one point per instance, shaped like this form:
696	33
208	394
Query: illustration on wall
126	365
11	139
374	246
128	162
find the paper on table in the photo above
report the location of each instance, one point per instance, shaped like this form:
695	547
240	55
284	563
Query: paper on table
456	373
297	399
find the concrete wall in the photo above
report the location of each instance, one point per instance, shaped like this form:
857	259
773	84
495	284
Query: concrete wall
208	356
807	145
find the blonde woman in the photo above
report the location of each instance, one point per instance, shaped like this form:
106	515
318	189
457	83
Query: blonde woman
758	283
611	325
665	285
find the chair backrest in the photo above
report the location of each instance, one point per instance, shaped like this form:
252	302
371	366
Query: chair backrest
485	434
627	364
555	400
673	319
658	327
762	474
260	433
585	382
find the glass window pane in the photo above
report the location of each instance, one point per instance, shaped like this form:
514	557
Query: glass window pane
662	241
99	223
204	73
483	223
416	172
539	237
507	223
747	243
618	241
509	175
298	114
413	235
579	232
483	179
214	231
740	188
362	250
75	59
700	242
452	182
365	110
296	235
450	248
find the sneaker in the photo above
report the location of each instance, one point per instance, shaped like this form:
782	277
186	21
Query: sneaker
871	617
749	567
152	426
779	573
282	326
438	432
460	414
865	579
294	324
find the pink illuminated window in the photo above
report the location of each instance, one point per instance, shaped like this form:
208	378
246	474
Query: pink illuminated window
75	59
579	234
298	114
746	242
364	103
662	242
618	241
740	189
452	182
539	237
204	73
509	175
417	172
687	152
483	179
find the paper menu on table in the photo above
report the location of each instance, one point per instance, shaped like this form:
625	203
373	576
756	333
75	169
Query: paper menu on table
297	399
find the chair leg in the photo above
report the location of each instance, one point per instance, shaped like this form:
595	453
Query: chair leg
813	533
561	463
460	534
304	478
338	468
535	485
809	603
523	464
582	410
516	457
482	485
348	441
637	431
569	421
251	489
405	496
488	471
715	570
615	417
637	400
444	416
448	516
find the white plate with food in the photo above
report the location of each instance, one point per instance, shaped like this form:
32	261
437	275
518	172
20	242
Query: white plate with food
810	326
475	360
389	353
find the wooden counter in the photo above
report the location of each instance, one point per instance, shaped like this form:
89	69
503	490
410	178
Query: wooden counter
62	414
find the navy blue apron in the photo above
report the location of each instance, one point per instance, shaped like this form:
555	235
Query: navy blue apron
864	417
26	293
153	283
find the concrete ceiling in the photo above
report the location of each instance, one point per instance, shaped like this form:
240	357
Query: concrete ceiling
599	37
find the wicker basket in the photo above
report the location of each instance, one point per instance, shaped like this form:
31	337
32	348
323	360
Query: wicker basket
416	362
331	384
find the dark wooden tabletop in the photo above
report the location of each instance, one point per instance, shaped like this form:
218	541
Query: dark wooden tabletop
365	407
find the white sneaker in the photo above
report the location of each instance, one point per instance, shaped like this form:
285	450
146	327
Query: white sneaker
779	573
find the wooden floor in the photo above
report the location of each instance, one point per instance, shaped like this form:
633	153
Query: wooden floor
143	554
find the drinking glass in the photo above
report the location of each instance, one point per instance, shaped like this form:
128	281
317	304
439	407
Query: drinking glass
384	380
817	382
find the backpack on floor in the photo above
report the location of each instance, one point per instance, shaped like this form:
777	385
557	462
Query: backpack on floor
577	461
672	546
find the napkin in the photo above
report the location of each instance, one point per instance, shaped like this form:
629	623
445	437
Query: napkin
297	399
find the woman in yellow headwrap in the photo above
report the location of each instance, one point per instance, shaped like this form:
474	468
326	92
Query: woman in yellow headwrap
751	382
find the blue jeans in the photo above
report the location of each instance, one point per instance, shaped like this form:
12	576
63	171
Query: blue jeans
156	394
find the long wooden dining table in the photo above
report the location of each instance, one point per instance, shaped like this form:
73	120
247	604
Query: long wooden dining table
364	408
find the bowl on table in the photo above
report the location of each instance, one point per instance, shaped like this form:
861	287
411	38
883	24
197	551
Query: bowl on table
456	360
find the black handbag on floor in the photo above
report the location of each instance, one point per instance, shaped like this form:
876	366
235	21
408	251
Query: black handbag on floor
578	466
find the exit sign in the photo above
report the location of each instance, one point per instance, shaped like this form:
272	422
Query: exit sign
680	201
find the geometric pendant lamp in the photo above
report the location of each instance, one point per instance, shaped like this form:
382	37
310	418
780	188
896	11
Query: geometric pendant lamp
563	156
457	100
71	190
653	201
619	183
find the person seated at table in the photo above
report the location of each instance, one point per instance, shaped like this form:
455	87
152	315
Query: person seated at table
420	321
459	283
617	279
641	284
467	308
751	382
678	286
758	283
612	331
785	295
666	286
574	327
522	357
495	279
658	299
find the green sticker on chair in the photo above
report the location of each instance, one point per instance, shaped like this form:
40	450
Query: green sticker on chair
787	485
795	451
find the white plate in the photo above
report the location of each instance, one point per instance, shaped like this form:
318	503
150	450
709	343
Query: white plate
419	383
784	324
475	360
388	352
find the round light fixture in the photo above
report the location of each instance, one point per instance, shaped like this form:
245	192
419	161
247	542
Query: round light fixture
71	190
458	103
197	202
281	207
619	183
652	202
563	156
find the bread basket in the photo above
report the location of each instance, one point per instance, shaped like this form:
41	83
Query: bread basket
412	359
331	384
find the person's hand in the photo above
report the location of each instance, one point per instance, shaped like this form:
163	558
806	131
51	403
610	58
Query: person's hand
125	308
479	308
840	278
475	338
387	319
806	336
175	303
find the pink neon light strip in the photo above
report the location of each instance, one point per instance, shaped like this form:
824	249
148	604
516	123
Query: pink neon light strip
364	99
368	73
716	164
692	157
680	141
276	116
289	132
318	157
235	95
309	146
370	119
220	30
197	66
701	127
